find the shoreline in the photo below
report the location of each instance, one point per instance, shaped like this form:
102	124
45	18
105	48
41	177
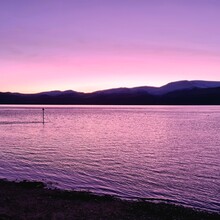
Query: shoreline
33	200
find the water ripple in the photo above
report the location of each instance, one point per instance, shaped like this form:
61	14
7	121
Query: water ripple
154	153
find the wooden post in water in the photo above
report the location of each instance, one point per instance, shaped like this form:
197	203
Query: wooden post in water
43	114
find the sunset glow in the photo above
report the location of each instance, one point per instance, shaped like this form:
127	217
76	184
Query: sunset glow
91	44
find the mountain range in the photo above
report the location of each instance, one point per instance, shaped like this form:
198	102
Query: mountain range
185	92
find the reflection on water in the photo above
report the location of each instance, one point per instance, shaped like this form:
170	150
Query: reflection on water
158	152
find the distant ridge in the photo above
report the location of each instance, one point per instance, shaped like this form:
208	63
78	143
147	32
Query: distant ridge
184	92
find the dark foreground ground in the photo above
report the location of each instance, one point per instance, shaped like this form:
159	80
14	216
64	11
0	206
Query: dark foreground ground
31	200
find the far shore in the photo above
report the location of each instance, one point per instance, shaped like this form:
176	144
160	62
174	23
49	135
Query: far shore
33	200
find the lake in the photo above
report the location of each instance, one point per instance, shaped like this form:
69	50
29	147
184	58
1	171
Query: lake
169	153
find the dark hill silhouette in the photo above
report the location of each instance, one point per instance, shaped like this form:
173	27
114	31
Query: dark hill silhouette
175	93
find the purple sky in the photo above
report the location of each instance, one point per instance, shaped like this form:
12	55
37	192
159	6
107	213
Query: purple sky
87	45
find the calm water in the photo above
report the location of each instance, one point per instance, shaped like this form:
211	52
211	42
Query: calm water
160	152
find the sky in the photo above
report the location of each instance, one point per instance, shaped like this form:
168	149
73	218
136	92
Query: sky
89	45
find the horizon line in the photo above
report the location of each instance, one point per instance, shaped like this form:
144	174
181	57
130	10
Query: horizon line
121	87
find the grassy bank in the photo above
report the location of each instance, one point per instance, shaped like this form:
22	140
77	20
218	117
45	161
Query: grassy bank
31	200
